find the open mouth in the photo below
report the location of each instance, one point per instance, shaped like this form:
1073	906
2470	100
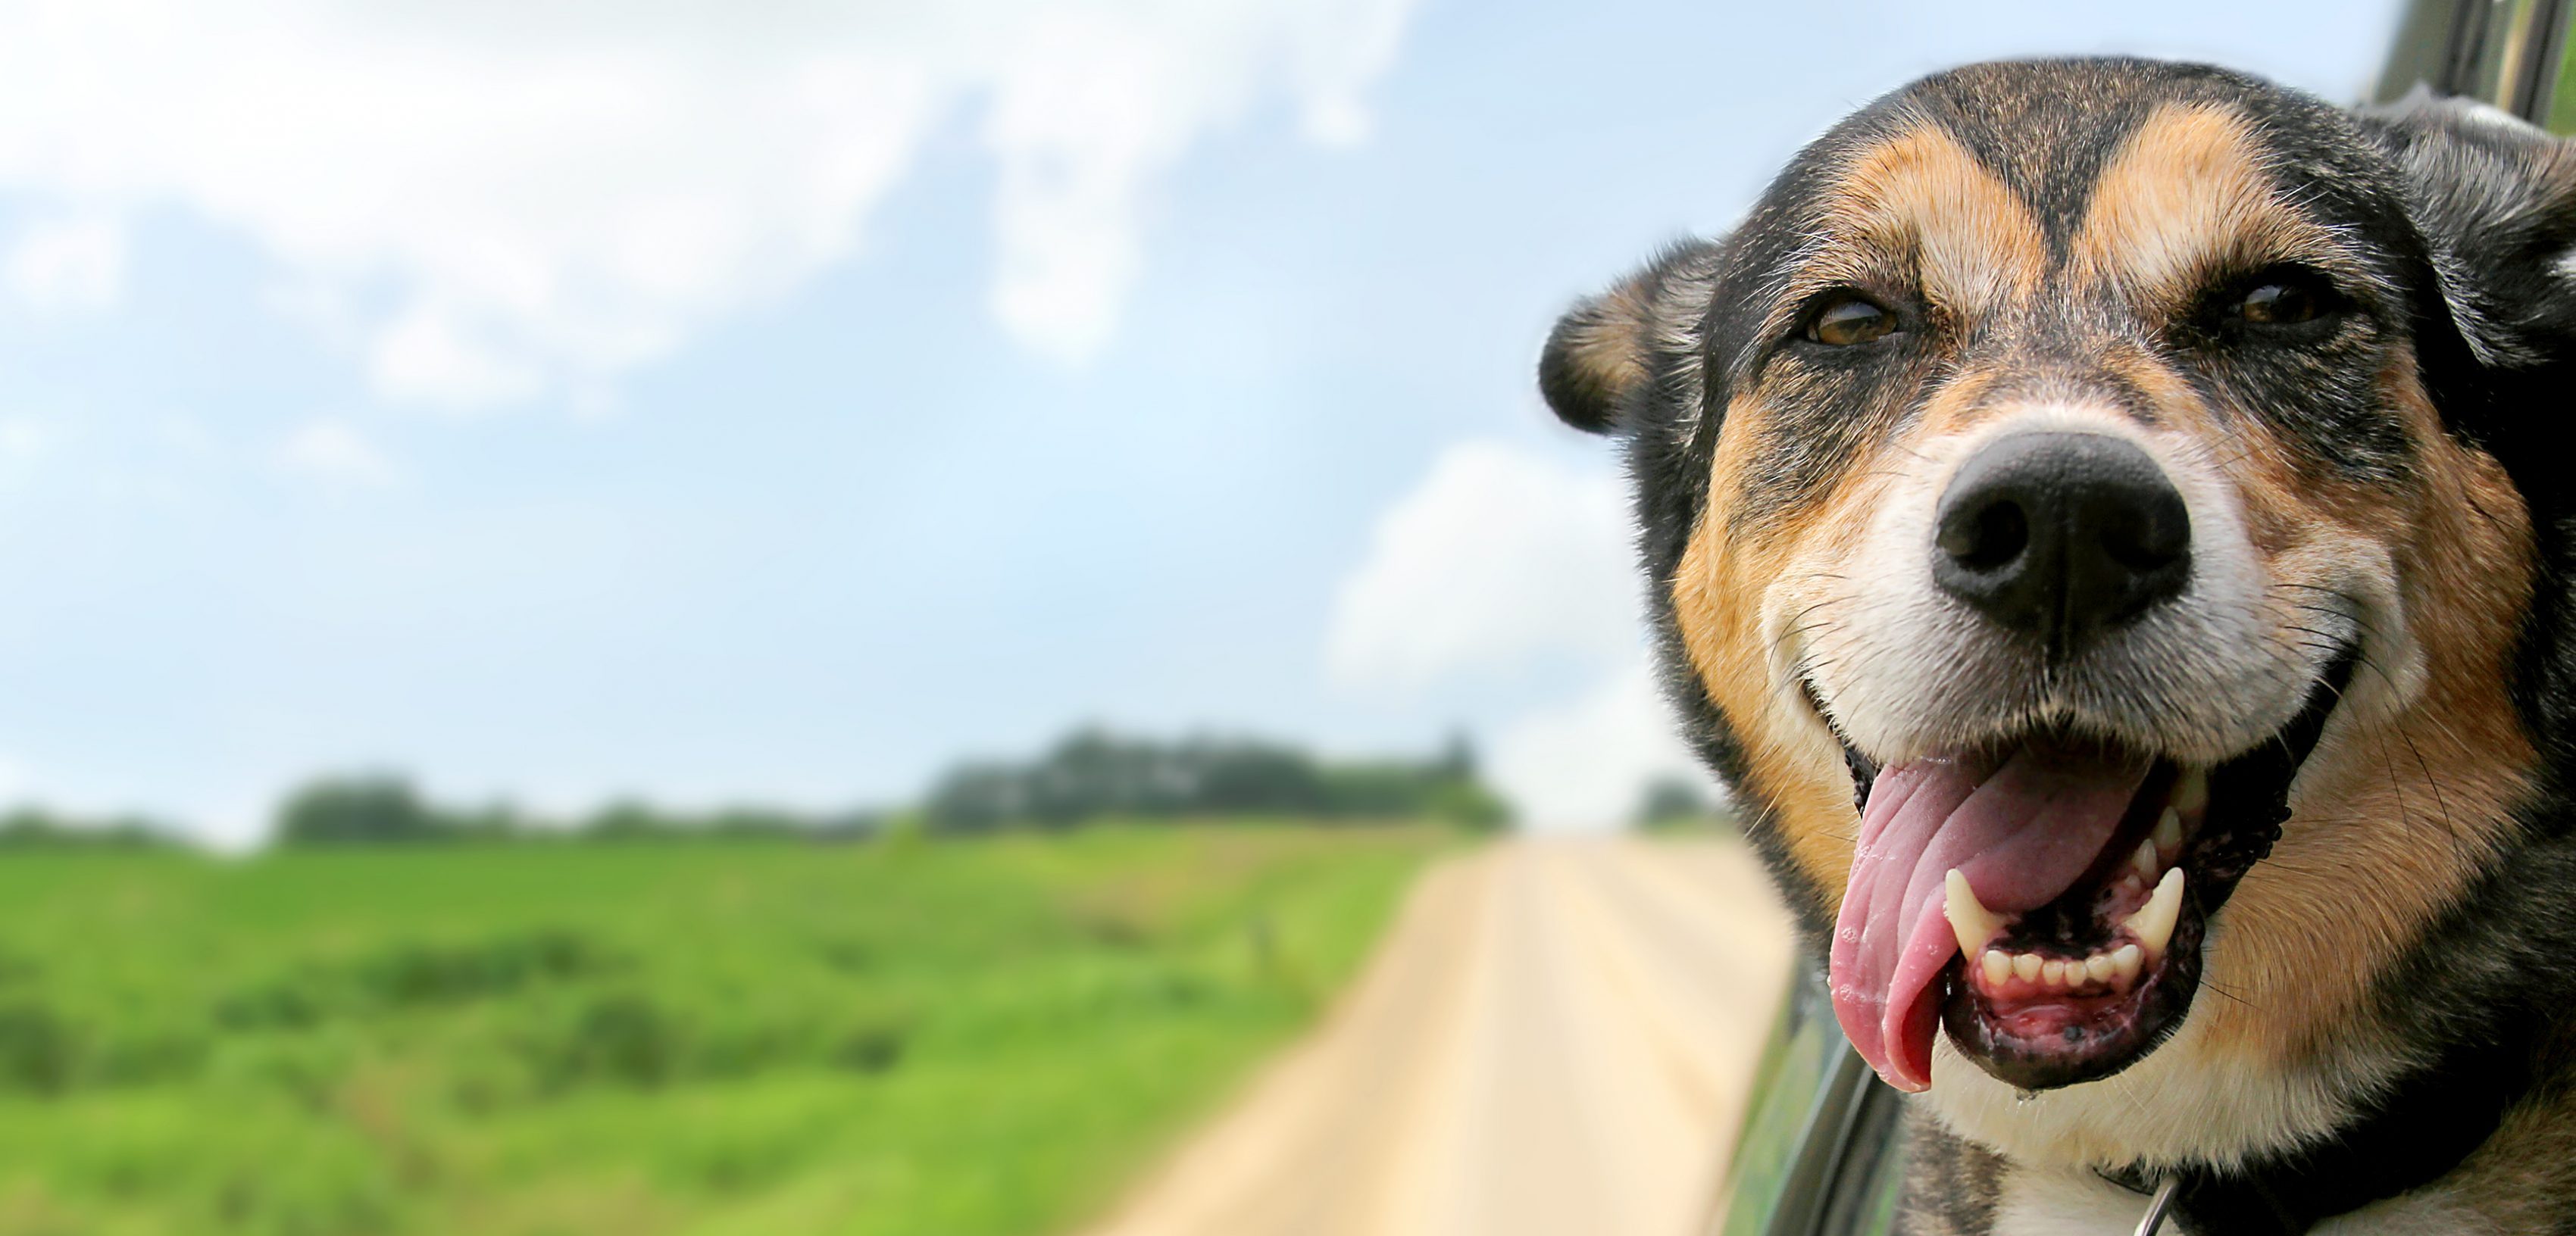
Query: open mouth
2044	899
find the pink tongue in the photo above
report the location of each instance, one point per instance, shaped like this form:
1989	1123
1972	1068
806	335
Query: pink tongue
2022	833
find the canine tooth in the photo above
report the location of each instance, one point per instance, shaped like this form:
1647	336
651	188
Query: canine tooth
1970	920
2144	861
2027	966
2154	921
2168	836
2052	972
2099	967
2125	961
1999	967
2191	790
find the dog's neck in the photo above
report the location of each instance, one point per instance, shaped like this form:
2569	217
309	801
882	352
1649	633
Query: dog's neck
2412	1136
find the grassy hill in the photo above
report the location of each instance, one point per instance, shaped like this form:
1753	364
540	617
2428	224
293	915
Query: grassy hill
898	1038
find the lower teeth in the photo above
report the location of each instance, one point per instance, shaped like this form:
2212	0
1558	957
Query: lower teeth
2112	968
2151	926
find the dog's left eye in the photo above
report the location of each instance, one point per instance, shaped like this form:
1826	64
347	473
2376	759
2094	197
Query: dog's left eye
1849	318
2279	304
2288	298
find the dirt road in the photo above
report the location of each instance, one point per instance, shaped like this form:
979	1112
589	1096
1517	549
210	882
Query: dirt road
1554	1040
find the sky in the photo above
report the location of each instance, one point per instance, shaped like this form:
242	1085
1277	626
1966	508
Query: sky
772	401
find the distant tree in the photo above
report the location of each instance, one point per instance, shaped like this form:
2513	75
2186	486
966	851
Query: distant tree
850	824
372	809
37	828
623	820
628	820
1093	773
1676	802
1457	757
1216	777
975	797
741	823
1465	801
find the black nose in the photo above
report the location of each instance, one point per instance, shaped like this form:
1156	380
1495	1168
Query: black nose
2062	536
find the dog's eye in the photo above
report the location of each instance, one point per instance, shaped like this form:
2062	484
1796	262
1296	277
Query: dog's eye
2280	304
2288	298
1849	319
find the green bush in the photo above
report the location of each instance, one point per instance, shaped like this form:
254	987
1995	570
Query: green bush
38	1051
413	973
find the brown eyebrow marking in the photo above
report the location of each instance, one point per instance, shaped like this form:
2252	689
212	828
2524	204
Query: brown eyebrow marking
2186	196
1920	198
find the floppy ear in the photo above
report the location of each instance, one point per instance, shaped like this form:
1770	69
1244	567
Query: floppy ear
2495	198
1603	352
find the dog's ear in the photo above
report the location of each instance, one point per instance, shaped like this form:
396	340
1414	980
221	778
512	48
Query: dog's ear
2495	199
1603	352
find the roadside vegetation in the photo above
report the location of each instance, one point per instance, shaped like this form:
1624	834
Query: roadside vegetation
975	1016
902	1037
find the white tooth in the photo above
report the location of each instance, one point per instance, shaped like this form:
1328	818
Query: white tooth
2125	961
2052	972
2154	922
2099	967
2144	861
1970	920
2168	836
2191	790
1998	967
2027	966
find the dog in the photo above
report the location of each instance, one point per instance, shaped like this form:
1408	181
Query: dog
2105	521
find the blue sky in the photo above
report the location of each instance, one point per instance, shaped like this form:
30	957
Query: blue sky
759	404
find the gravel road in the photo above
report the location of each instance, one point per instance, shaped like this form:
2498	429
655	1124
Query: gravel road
1554	1040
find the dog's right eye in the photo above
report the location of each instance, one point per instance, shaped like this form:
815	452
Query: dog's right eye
2283	303
1848	319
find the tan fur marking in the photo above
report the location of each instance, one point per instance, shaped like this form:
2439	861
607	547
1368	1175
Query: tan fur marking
1730	576
2188	194
1718	591
2397	811
1922	199
1608	341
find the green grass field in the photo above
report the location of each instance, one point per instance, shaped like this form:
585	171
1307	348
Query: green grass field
900	1038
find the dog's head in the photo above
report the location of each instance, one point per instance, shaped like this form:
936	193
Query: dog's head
2077	527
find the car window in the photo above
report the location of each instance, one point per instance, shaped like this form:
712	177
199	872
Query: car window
2513	54
1818	1153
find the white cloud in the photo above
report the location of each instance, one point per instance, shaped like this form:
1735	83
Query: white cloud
336	454
1500	560
508	199
1091	101
71	265
1498	557
1585	763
